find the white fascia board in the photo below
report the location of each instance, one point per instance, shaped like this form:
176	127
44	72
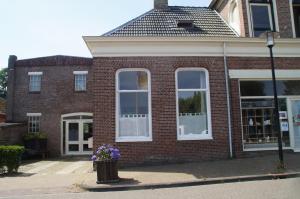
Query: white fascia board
35	73
34	114
264	74
189	46
80	72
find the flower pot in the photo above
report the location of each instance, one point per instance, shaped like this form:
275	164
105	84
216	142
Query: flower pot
107	171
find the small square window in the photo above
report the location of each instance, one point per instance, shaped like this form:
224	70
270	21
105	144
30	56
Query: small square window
80	82
35	83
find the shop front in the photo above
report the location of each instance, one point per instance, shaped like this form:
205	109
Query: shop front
257	112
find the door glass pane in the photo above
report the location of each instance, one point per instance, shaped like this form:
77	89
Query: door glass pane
87	131
296	122
192	112
73	147
86	148
73	131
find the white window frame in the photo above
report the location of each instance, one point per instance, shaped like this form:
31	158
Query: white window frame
132	138
31	74
292	18
76	74
250	20
208	106
33	115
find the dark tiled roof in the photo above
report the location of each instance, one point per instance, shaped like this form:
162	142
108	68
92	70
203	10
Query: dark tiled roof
207	22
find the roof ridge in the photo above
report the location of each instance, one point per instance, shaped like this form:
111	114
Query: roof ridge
127	23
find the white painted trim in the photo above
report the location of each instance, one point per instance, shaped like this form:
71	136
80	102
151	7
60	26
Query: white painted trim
208	106
33	114
292	18
76	114
189	46
117	106
266	149
80	72
264	74
35	73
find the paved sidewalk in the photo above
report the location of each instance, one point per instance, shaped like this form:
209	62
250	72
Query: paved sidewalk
76	175
187	173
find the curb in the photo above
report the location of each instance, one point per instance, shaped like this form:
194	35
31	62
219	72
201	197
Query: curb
190	183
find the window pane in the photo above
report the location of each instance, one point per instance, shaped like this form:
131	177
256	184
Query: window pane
33	124
80	82
296	9
73	147
35	83
261	20
191	80
73	132
134	118
133	80
192	112
134	103
265	88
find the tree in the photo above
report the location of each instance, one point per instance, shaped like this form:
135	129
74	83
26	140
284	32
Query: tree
3	82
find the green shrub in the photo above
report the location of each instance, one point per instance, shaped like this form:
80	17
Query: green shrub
10	158
35	136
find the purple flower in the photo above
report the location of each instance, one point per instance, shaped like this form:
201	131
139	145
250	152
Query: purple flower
94	158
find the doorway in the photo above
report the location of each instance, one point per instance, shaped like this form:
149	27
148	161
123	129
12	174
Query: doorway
77	134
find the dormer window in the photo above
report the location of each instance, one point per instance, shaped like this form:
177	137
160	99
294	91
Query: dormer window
185	24
262	19
234	16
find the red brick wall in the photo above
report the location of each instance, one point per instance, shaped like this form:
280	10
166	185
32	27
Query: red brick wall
164	146
57	94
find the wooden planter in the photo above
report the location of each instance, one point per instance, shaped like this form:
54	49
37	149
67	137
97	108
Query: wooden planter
107	171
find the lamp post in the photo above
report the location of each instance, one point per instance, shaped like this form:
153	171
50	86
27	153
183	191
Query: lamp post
270	44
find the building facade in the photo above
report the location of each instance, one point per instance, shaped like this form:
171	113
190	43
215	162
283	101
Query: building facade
175	84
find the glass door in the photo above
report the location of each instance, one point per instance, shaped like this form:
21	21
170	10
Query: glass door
78	133
295	110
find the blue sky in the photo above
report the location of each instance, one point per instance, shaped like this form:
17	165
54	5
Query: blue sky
35	28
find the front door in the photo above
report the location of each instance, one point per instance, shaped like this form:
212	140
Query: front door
295	123
78	133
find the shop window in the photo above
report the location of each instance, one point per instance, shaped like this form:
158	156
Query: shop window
296	11
193	104
257	108
133	105
261	16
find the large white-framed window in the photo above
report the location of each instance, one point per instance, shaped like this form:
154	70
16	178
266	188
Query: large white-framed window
34	122
234	16
35	81
260	16
133	105
80	78
193	104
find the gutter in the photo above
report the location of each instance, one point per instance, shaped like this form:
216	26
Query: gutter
228	101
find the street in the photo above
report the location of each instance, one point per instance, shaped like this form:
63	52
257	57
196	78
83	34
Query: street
281	189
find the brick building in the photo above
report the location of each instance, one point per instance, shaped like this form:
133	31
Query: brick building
175	84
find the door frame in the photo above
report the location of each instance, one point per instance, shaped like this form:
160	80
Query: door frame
80	141
64	118
290	119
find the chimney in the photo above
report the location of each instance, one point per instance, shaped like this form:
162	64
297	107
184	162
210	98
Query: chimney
10	88
160	4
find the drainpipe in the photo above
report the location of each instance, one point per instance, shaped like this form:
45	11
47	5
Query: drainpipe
228	101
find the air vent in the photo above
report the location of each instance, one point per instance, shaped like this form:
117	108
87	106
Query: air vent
185	24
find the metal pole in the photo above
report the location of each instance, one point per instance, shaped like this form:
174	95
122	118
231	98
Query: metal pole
276	119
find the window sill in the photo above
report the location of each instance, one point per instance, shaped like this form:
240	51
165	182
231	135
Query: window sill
191	138
131	139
